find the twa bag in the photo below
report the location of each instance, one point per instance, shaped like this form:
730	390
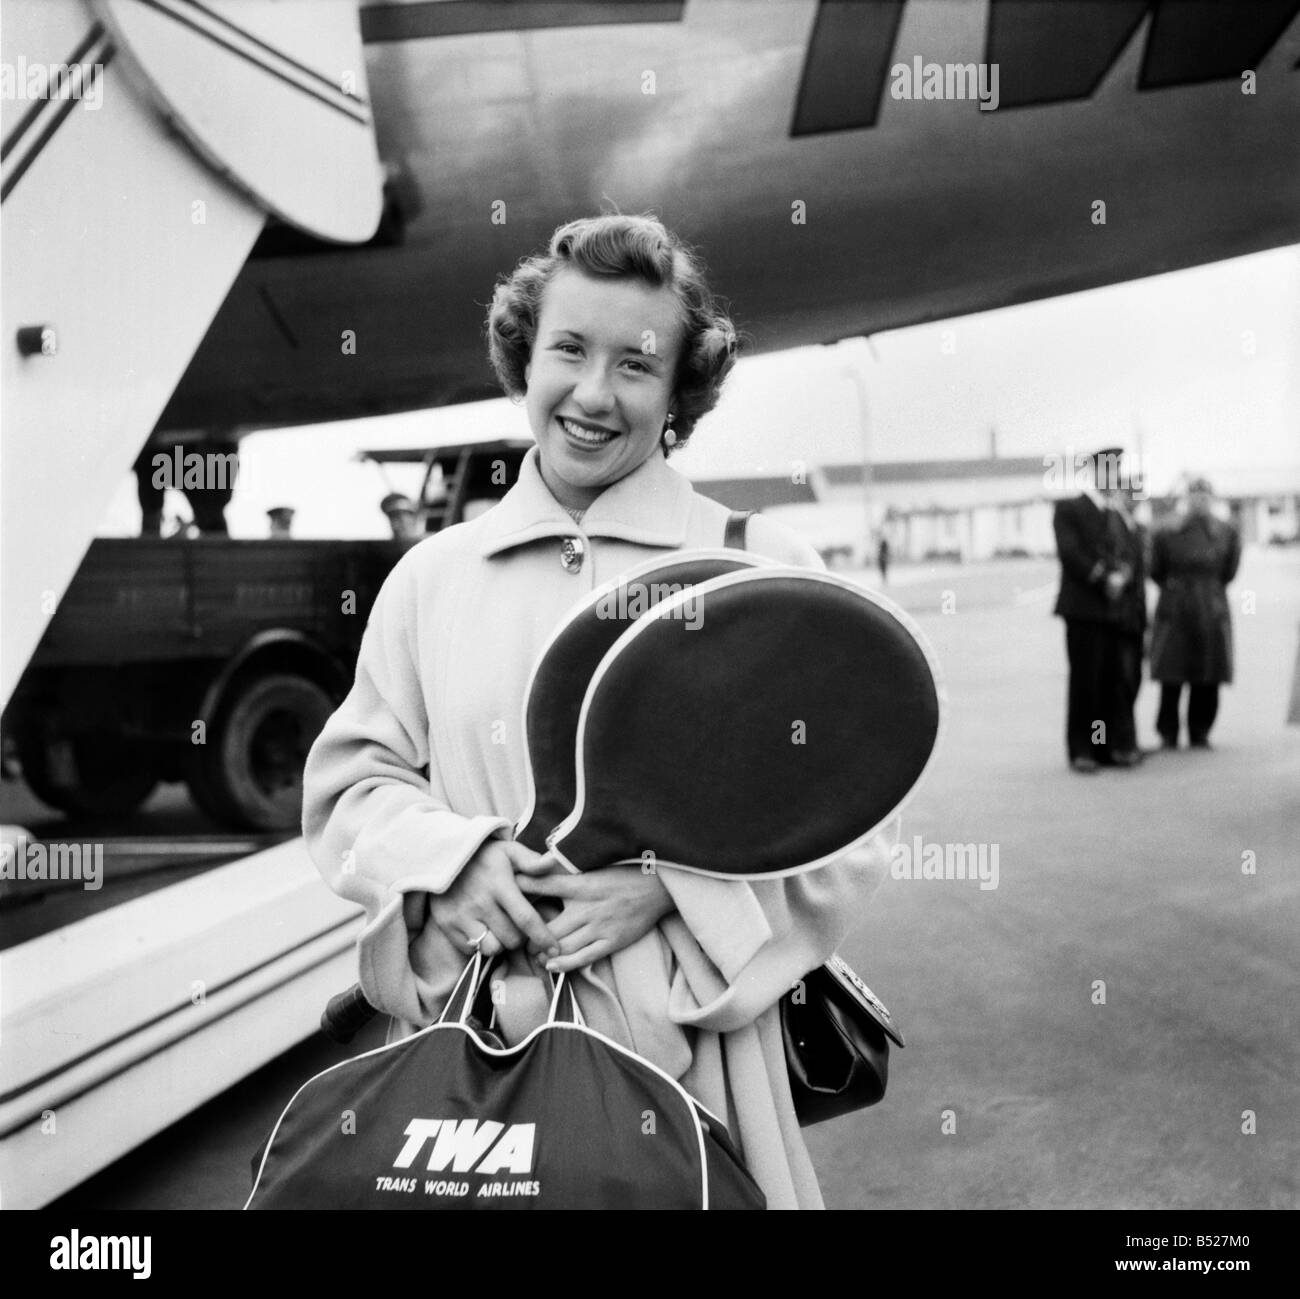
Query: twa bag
450	1119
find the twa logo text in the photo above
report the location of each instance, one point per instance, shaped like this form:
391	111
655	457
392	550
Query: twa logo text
469	1146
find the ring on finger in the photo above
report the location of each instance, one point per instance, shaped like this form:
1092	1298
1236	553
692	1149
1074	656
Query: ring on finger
476	943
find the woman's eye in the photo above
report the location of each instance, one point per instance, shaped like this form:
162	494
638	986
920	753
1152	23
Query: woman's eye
639	366
569	349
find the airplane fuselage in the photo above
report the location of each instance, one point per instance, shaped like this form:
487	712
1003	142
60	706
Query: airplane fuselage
797	143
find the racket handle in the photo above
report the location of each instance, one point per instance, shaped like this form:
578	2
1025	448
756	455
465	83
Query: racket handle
346	1015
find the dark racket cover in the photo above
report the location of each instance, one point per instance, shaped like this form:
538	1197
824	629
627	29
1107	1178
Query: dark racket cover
565	667
782	724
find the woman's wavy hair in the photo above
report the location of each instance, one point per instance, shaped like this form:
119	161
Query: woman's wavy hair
638	247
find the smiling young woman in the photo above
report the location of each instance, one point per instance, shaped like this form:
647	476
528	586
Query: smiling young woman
600	381
614	343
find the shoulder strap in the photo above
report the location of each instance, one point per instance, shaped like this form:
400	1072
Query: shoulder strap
737	527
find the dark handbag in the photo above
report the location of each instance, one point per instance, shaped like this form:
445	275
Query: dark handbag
836	1033
449	1118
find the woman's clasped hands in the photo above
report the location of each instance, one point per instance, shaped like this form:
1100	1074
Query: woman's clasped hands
600	912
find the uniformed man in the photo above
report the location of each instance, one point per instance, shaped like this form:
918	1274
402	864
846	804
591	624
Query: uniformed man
403	517
1103	602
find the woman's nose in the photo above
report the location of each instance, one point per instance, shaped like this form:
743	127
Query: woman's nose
594	391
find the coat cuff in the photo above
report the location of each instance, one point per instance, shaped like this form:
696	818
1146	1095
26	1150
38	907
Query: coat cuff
386	972
383	882
420	849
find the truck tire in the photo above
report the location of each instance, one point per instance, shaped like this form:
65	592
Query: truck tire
87	774
249	774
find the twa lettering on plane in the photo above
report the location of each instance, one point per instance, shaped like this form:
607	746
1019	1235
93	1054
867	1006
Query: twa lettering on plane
460	1145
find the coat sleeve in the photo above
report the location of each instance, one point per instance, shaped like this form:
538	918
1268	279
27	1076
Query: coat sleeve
1078	559
375	828
1232	557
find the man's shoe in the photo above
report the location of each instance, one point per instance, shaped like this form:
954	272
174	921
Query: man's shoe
1126	758
1088	765
1200	744
1166	743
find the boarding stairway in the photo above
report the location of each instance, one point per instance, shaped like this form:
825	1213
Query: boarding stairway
145	143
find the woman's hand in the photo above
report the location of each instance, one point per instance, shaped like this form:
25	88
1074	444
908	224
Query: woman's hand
485	899
604	911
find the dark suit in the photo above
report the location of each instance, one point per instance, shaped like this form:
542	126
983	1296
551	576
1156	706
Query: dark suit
1103	635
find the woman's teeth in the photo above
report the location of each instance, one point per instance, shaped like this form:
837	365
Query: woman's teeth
590	436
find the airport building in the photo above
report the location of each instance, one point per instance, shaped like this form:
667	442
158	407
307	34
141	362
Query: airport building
988	507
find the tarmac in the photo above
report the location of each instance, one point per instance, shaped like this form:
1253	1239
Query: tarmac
1114	1025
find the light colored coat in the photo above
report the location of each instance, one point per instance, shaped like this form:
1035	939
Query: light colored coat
441	680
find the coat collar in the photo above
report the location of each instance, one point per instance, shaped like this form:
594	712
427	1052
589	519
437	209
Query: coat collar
1090	493
651	505
1207	523
1105	506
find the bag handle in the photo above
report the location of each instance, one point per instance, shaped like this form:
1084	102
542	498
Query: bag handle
465	991
564	1008
562	990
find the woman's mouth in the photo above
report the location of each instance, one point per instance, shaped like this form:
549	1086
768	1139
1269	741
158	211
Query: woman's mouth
587	435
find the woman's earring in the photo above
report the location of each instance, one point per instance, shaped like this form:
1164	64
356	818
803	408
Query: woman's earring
670	436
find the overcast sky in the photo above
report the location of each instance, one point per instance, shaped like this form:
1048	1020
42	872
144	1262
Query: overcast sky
1200	369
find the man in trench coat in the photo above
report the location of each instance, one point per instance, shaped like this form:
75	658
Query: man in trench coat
1192	561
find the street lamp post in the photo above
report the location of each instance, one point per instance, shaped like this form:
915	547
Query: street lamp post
853	371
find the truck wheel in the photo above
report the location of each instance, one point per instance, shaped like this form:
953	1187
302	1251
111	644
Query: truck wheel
250	772
90	774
